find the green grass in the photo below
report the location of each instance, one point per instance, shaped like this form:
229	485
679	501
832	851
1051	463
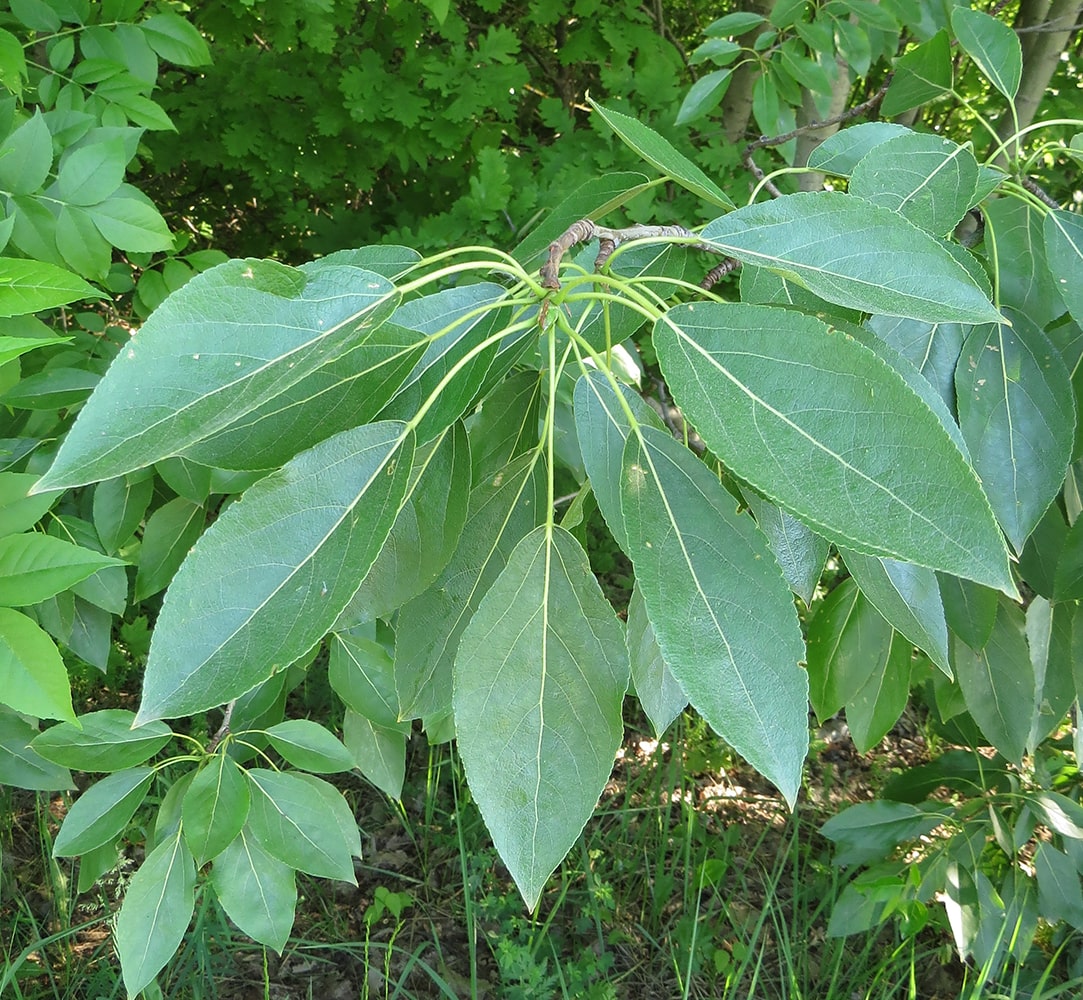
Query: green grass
683	885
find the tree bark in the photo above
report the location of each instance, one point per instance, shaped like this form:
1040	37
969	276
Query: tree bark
808	141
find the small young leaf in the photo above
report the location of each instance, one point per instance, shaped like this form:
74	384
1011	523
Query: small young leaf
214	808
871	830
155	913
257	891
168	537
655	686
922	75
175	40
658	152
849	251
721	611
993	45
801	553
799	411
102	812
307	745
119	506
102	741
704	95
291	820
362	673
970	609
1017	414
540	677
35	679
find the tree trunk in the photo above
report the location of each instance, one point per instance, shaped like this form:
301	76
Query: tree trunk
737	104
808	141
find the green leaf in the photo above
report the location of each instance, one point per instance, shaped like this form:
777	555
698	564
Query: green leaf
194	368
29	286
307	745
12	63
760	286
1068	576
26	156
169	535
102	812
119	506
998	683
826	428
969	608
602	428
20	765
15	347
1063	233
1049	639
908	597
155	914
721	611
303	824
1017	414
362	673
93	172
35	679
37	566
425	533
858	662
1059	894
81	245
379	752
52	389
655	686
849	251
1028	284
504	507
932	348
1060	813
268	579
102	741
925	178
840	153
257	891
993	45
506	425
36	15
18	511
923	74
800	552
460	319
214	808
736	23
871	830
540	677
131	224
703	96
593	199
175	40
658	152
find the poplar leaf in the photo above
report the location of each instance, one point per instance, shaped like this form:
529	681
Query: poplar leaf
540	678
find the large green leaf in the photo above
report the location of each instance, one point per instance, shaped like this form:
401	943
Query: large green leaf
1063	233
362	673
425	533
540	677
927	179
196	366
102	741
1049	638
307	744
721	610
657	689
868	831
214	807
661	155
1028	284
20	765
998	683
268	579
168	537
908	596
378	751
504	507
257	891
303	822
102	812
1017	414
969	608
840	153
602	428
932	348
506	426
154	916
35	679
827	429
921	75
852	252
